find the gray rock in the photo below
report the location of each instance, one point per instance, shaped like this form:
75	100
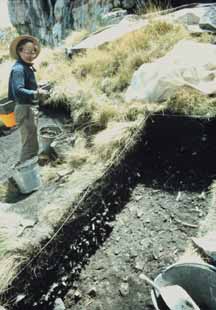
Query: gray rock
139	213
113	17
59	304
207	245
139	265
116	3
124	289
187	17
92	292
208	20
128	4
77	295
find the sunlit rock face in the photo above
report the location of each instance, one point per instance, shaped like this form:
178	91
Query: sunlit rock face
49	20
41	17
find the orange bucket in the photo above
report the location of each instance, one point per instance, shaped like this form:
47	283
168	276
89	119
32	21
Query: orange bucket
8	119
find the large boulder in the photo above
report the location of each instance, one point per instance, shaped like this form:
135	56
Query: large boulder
188	64
208	20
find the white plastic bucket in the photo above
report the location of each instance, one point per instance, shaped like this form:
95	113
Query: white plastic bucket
27	176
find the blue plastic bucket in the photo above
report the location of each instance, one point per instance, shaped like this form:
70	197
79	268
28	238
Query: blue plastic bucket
27	176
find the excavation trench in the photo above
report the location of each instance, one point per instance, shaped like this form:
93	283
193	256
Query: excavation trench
174	157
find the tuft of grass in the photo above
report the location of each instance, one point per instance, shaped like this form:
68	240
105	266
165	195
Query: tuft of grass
53	66
9	267
205	38
3	192
134	111
48	173
190	101
111	140
48	215
79	154
152	6
105	112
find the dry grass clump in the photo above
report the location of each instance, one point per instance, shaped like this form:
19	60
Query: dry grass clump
53	66
48	173
3	191
82	109
64	96
206	37
152	6
190	101
79	154
48	214
9	267
105	112
134	111
112	140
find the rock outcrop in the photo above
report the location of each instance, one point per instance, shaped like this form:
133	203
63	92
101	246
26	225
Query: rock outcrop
50	20
46	19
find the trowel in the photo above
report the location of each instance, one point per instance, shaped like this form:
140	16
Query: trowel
174	296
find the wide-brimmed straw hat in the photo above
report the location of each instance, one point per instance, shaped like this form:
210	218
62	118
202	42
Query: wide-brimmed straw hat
15	42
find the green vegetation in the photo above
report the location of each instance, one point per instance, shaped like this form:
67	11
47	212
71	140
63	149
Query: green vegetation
189	101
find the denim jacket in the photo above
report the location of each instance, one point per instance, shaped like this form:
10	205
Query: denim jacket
22	83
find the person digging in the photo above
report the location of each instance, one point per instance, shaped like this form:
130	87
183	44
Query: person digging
23	89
